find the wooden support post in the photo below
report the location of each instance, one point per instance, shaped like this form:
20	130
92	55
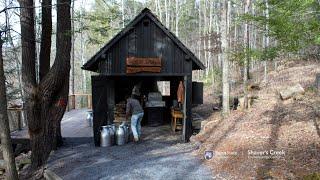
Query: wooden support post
89	101
187	121
19	119
73	101
184	113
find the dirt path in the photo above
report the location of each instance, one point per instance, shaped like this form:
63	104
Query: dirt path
159	156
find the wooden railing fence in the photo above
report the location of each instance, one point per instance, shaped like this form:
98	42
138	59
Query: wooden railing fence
78	101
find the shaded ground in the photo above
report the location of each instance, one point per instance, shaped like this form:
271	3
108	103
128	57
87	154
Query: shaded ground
290	126
69	127
159	156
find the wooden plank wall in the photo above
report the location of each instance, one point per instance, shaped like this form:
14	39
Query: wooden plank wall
103	104
145	41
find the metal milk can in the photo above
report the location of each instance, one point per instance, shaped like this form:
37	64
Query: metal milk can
105	137
127	130
120	135
113	126
89	118
112	134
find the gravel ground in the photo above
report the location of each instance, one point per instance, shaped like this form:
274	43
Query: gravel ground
160	155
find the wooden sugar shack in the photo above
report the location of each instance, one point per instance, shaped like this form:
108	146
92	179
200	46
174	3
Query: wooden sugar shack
145	53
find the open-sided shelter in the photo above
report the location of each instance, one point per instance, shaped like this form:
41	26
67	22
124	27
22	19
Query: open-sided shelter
144	53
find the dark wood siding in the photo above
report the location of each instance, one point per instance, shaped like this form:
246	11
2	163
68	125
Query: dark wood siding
103	104
146	39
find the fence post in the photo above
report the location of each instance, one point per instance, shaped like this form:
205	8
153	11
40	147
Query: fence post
73	101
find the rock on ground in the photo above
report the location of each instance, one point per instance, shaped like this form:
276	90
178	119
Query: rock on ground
291	91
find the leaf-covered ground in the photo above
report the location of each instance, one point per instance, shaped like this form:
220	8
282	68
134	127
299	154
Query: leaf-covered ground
291	127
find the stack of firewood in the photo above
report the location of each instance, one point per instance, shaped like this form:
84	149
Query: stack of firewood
120	112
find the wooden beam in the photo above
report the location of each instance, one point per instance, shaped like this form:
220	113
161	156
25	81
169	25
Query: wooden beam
135	61
131	70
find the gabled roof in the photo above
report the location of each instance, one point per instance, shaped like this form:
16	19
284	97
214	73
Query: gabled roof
91	65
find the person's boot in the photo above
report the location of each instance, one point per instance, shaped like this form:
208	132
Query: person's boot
135	139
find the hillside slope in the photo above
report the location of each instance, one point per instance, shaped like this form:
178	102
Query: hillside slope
246	141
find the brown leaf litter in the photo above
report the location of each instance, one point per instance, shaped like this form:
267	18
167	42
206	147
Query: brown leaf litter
287	132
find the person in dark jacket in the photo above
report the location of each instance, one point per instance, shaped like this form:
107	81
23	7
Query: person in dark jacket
135	109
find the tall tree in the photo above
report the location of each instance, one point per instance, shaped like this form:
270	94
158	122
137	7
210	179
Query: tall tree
73	50
46	28
247	56
6	144
122	10
46	100
266	39
177	18
225	61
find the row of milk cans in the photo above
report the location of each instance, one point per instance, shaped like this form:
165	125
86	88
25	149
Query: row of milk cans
111	135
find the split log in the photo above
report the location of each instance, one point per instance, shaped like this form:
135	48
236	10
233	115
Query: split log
291	91
253	87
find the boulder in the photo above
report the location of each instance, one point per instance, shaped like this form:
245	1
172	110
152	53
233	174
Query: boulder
291	91
2	167
50	175
2	171
203	123
2	164
23	162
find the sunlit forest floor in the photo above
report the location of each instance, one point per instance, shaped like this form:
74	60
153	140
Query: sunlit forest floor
290	127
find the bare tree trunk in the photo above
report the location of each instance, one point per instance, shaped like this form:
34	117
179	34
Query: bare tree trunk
6	144
46	101
45	48
199	31
167	16
225	61
205	34
160	10
246	61
218	30
210	69
177	18
82	50
72	49
266	40
19	77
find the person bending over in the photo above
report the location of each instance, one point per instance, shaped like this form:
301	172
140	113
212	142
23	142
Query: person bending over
135	109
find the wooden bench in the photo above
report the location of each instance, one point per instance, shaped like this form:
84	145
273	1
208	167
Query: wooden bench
175	116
